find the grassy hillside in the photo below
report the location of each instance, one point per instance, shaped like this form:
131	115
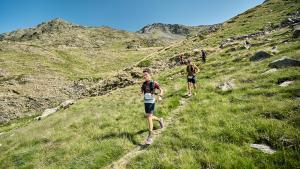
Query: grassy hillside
69	50
215	128
40	66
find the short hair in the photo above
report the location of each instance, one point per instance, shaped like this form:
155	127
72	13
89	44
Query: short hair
147	70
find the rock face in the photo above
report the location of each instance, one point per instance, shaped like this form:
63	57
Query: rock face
284	62
261	55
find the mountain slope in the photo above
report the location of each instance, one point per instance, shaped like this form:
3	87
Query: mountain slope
55	61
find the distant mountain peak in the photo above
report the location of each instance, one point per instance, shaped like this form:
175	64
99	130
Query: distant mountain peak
57	23
174	31
170	28
52	26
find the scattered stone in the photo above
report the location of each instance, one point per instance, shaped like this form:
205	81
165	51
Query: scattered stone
274	50
3	73
67	103
226	86
246	44
284	62
196	50
264	148
258	56
270	71
286	83
47	112
284	79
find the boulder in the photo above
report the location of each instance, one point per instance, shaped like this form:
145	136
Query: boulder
226	86
274	50
264	148
284	62
296	32
47	112
67	103
258	56
286	83
270	71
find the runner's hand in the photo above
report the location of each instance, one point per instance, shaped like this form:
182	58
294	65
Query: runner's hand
159	98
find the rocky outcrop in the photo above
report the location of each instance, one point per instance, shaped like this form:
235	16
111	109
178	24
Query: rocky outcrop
48	112
292	19
120	80
258	56
296	32
284	62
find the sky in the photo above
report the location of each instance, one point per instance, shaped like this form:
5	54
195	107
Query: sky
129	15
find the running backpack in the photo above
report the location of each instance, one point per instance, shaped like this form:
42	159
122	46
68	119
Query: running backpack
151	86
191	69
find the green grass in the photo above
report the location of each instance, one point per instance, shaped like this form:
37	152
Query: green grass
90	134
216	128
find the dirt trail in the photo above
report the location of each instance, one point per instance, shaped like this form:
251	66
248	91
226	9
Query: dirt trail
124	160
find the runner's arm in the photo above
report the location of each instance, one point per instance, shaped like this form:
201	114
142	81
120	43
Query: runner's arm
197	69
161	92
142	92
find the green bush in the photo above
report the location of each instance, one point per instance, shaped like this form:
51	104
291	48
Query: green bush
145	63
